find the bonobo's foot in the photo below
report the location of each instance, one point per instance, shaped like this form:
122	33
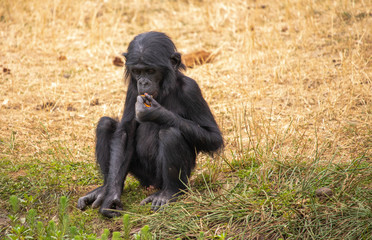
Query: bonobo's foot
160	198
94	197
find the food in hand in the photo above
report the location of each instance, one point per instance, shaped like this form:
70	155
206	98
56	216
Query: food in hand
146	102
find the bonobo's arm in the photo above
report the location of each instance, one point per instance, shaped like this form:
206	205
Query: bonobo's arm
200	128
120	155
108	195
117	173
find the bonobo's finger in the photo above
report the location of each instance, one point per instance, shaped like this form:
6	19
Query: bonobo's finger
113	210
148	97
90	197
109	213
146	100
140	99
83	202
139	107
117	205
98	201
152	100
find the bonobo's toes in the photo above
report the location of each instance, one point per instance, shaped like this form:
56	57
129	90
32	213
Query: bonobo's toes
159	199
158	204
146	200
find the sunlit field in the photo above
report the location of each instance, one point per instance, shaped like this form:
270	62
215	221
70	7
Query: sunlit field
289	83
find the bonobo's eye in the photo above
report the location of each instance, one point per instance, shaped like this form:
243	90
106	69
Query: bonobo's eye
150	71
136	71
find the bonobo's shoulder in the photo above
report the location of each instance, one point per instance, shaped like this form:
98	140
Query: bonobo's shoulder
189	84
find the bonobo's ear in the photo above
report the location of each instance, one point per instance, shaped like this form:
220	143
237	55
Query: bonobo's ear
176	60
125	54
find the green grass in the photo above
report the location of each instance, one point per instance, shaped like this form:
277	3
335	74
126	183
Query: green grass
260	192
247	199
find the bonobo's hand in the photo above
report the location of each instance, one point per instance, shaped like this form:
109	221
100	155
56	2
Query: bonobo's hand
147	108
99	197
111	206
94	197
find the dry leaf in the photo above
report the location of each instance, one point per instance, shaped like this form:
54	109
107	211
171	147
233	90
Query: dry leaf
62	58
197	58
6	70
118	62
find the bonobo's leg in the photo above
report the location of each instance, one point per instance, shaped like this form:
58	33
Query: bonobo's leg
175	161
104	132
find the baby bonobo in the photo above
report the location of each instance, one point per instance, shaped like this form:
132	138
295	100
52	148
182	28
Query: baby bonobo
165	124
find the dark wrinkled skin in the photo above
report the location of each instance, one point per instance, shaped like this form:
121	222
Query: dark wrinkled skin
166	122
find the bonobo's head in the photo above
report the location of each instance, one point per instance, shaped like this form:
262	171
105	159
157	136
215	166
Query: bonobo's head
152	64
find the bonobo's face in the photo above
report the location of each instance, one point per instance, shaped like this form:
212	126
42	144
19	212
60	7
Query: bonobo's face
148	79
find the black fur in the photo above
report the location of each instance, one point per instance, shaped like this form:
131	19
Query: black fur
157	144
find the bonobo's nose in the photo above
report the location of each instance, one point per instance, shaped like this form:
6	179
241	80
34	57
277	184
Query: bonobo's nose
144	85
144	82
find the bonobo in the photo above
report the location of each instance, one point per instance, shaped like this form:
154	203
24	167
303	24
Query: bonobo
165	124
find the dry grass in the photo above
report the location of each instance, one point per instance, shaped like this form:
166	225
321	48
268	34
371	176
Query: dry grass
305	64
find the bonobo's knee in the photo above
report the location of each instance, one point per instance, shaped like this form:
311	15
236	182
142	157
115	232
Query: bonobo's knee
173	144
106	124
